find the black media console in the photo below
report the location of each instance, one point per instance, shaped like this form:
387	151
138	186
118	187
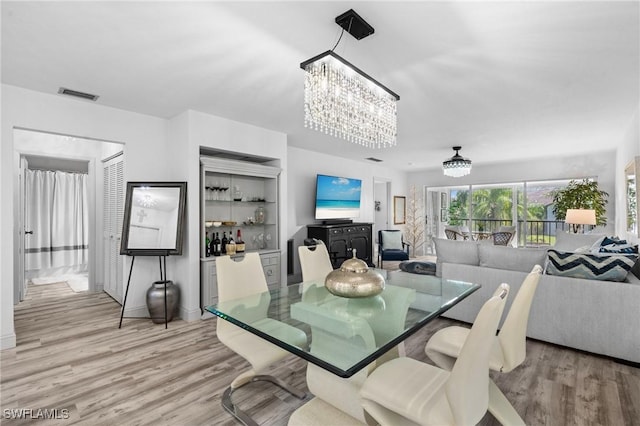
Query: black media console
342	238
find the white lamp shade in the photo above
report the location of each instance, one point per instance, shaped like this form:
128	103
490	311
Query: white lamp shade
581	216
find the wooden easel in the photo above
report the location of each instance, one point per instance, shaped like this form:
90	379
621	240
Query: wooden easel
162	259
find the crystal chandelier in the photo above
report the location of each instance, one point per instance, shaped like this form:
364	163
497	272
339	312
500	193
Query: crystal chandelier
457	165
145	199
343	101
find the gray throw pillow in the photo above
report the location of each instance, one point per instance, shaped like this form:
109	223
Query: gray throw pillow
391	240
455	251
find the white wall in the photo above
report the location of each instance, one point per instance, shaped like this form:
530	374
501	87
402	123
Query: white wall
146	159
599	165
302	168
628	150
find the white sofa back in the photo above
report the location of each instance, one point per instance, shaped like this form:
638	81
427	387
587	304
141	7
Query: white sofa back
595	316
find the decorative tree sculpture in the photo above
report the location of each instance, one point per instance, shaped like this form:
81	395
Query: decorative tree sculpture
414	227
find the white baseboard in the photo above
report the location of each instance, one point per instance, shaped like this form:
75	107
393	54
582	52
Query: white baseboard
207	315
143	312
137	312
8	341
190	314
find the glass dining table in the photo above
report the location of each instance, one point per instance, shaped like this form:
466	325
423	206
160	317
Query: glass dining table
344	335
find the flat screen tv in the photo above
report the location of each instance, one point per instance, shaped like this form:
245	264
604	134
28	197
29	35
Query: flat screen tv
337	197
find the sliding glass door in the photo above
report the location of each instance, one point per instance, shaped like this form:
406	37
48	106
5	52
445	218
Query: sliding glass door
526	206
539	226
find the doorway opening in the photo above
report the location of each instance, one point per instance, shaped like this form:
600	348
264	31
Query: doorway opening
56	219
59	196
381	207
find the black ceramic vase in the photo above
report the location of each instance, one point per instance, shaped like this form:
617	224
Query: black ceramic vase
155	300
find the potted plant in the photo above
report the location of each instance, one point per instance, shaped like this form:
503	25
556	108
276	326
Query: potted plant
583	194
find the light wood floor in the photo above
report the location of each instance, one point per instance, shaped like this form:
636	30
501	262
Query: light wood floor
71	355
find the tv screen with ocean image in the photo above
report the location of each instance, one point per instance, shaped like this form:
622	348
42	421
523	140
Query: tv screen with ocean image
337	197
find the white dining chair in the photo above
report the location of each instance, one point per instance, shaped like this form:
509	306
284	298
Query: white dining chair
405	391
336	400
509	347
243	279
347	332
315	262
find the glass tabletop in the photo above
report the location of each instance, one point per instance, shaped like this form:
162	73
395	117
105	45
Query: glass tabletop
344	335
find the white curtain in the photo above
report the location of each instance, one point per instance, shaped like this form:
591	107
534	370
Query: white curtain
57	213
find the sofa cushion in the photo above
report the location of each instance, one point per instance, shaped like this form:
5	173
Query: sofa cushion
510	258
455	251
575	242
603	267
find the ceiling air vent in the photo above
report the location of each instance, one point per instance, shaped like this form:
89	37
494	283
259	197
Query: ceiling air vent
375	160
69	92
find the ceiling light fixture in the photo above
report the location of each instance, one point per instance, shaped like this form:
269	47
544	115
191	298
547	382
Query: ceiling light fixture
343	101
457	165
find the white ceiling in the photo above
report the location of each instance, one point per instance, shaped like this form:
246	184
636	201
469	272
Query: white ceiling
503	79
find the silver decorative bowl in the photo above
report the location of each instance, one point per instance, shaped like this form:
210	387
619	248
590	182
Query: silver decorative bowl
354	279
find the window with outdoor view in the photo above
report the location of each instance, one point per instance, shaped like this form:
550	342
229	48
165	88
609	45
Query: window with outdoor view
527	206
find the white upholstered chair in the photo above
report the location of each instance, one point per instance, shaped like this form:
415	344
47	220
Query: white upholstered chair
405	391
315	262
352	332
243	279
336	400
508	352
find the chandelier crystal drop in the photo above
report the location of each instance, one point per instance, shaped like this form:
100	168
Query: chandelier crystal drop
342	101
456	166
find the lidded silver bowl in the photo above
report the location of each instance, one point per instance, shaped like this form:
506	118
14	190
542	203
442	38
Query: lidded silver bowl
354	279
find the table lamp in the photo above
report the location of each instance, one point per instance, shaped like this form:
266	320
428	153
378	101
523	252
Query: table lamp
580	217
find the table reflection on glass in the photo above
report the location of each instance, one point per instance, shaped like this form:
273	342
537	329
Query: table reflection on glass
345	335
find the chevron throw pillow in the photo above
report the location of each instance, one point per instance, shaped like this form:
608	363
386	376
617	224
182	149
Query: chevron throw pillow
604	267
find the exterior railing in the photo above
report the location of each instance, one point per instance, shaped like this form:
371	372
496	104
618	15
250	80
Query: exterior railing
529	233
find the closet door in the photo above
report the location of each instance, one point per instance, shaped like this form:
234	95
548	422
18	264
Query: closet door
113	213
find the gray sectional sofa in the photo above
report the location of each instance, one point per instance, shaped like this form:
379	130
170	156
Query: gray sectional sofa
602	317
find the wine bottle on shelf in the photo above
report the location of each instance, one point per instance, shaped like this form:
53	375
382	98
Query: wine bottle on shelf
231	246
207	248
216	245
223	248
239	242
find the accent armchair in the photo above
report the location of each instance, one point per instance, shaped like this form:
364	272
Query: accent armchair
391	246
457	233
502	238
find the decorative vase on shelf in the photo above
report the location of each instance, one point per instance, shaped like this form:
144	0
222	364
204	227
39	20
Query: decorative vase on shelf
155	300
260	215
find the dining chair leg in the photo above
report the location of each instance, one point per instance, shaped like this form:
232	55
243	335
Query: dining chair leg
240	415
501	408
243	417
281	384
